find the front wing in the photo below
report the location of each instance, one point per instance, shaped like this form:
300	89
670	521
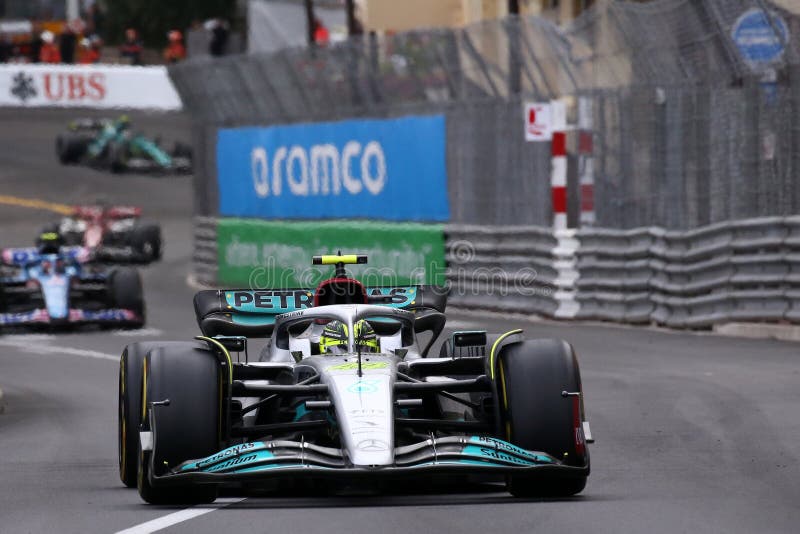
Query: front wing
40	317
139	164
121	254
263	461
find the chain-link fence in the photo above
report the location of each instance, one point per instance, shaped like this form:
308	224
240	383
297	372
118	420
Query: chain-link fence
695	115
706	130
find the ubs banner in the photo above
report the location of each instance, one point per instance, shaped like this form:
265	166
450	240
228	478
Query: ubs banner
87	86
392	169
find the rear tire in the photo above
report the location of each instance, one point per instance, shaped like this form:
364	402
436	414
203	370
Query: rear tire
146	240
182	150
189	376
126	293
532	376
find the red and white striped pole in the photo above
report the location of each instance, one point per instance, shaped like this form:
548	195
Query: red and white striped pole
586	159
558	174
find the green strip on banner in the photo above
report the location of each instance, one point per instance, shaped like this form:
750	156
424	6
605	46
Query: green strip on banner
268	254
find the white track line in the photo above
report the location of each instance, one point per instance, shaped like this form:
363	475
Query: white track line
31	346
179	517
27	344
30	337
142	332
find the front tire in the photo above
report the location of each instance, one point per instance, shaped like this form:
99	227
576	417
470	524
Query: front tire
188	428
532	376
117	157
129	415
127	294
70	148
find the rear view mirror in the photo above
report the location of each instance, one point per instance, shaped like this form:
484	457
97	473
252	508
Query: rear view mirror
467	344
233	343
469	339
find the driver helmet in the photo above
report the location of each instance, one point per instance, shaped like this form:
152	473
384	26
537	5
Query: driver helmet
334	338
49	243
123	123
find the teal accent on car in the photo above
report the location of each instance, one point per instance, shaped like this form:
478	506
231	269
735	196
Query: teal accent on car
252	320
495	455
225	455
489	442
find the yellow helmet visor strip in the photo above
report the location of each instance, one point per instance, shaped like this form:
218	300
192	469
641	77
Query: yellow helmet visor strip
347	259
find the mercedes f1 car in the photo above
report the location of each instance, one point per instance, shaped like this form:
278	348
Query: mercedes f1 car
112	145
114	234
58	288
346	391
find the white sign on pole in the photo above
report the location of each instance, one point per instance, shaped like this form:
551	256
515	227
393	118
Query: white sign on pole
558	115
538	122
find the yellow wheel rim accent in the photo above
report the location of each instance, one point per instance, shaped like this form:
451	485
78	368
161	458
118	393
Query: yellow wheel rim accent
227	354
497	344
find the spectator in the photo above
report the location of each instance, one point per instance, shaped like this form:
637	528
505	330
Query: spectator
6	48
36	43
321	34
96	19
219	36
175	51
89	50
132	48
68	42
17	55
49	52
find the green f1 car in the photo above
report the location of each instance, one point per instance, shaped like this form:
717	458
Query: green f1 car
112	145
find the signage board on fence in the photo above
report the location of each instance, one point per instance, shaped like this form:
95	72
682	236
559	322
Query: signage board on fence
538	121
392	169
761	37
269	254
87	86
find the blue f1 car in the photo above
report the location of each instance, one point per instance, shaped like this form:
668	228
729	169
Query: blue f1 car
58	286
345	390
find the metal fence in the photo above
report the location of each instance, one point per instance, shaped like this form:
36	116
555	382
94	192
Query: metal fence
686	132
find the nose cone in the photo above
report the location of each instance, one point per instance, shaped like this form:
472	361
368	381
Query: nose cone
56	292
365	415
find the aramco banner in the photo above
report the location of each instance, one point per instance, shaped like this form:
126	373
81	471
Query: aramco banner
392	169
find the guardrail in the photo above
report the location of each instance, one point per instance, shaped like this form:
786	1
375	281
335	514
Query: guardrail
507	268
729	272
737	271
205	257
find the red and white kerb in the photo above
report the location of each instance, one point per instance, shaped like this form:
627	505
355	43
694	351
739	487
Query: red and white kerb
558	176
586	159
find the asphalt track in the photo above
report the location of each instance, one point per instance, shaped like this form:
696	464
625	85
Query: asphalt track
695	433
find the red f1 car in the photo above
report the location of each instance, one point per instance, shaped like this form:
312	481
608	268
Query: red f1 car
113	234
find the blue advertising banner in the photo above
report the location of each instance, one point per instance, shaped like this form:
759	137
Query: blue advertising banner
391	169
